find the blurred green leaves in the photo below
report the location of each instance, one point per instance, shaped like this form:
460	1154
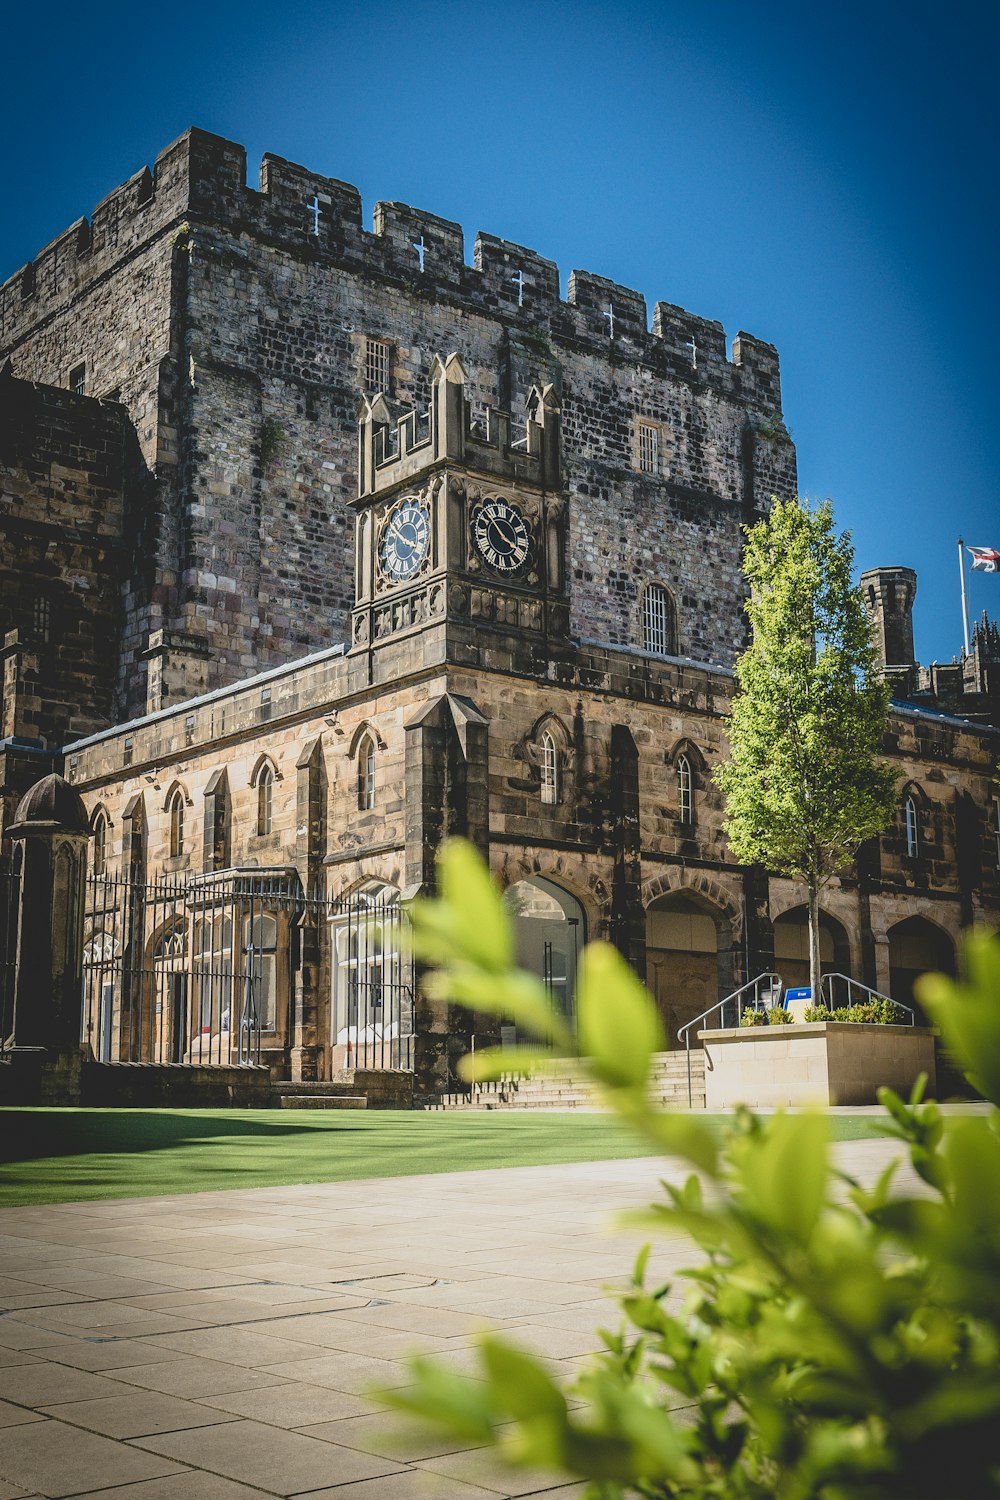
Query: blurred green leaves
831	1341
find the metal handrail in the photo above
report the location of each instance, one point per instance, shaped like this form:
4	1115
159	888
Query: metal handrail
775	985
855	984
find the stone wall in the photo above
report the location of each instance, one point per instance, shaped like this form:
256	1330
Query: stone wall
233	322
70	477
814	1063
309	723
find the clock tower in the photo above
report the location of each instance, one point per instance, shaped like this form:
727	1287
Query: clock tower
461	531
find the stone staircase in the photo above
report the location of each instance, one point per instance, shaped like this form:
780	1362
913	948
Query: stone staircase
354	1088
563	1086
286	1095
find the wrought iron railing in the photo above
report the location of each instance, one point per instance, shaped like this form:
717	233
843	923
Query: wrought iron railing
761	993
10	886
372	982
851	987
192	970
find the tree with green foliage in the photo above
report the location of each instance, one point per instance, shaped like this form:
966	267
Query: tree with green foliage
804	786
836	1341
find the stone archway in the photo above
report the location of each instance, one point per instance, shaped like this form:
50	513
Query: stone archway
689	960
791	946
550	928
917	946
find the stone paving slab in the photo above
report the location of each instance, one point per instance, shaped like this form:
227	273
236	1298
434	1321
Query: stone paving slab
222	1346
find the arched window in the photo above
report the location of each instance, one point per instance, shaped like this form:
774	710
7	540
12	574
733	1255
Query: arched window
265	800
212	980
685	791
372	1012
549	768
366	774
260	949
911	814
175	812
100	843
659	621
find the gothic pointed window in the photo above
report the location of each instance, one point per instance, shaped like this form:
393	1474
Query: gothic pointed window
260	950
175	813
366	774
685	791
100	858
265	800
659	621
549	768
911	817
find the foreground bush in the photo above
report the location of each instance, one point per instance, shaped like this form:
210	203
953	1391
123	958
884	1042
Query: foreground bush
834	1342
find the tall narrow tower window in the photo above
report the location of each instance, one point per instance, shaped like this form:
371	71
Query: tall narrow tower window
265	800
175	812
366	774
659	630
912	827
685	801
100	844
42	612
649	449
78	380
376	365
550	769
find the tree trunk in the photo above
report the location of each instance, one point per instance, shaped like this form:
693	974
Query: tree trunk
814	969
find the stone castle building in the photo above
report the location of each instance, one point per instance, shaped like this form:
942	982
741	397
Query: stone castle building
282	648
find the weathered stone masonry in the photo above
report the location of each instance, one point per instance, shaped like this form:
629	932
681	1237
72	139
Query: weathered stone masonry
206	527
232	323
66	465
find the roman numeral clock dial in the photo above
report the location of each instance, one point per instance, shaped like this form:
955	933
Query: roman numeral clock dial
404	540
500	535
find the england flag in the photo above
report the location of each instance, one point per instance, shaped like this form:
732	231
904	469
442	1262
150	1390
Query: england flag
985	559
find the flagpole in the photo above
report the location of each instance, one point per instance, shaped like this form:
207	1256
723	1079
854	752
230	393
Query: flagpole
965	602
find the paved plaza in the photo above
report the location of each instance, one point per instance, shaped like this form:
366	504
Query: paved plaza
220	1346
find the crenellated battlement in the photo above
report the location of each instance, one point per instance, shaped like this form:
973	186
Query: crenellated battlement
190	176
199	182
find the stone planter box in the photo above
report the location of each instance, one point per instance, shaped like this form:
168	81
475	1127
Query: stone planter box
813	1062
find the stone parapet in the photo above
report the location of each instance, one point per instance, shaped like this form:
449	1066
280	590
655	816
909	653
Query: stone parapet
813	1062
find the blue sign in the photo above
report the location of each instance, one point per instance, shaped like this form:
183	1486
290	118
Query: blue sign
803	994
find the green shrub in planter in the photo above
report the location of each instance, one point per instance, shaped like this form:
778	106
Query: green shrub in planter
818	1013
778	1016
753	1018
836	1341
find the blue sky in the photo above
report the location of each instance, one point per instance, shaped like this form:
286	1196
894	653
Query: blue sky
823	179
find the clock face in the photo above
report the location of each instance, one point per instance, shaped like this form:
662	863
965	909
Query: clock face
403	544
501	536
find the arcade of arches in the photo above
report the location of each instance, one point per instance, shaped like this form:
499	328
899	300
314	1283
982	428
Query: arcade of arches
791	946
550	929
915	947
689	958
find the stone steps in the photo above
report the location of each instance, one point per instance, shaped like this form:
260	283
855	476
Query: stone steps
322	1101
353	1088
568	1088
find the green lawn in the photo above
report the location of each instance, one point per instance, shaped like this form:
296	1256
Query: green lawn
66	1155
